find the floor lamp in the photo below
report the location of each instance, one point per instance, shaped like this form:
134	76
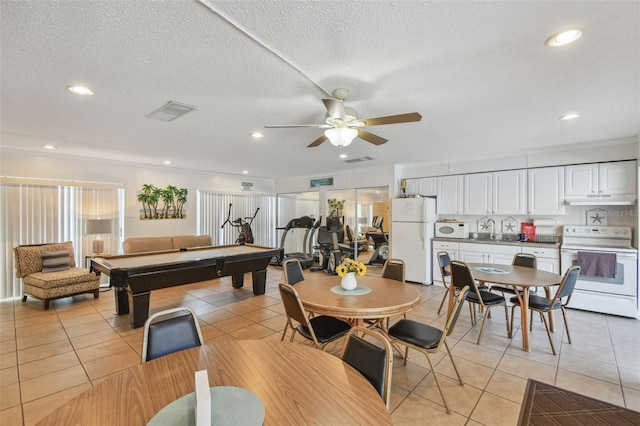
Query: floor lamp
97	227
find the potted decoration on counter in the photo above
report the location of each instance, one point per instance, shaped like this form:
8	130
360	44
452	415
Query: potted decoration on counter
335	207
347	271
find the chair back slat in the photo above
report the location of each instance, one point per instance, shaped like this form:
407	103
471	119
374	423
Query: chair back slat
461	276
372	361
175	333
568	283
525	259
368	359
293	271
393	269
292	304
444	260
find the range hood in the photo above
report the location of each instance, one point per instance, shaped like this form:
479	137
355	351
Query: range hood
601	200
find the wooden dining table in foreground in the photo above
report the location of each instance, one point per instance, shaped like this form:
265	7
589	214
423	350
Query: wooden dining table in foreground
296	384
387	297
520	278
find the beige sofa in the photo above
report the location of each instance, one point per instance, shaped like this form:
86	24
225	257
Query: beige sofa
145	244
48	273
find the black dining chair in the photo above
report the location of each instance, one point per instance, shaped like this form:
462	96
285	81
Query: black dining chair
545	305
462	276
520	259
430	340
321	329
444	264
166	332
373	361
292	271
393	269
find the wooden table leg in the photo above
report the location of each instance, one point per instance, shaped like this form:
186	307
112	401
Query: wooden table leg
552	321
524	308
523	300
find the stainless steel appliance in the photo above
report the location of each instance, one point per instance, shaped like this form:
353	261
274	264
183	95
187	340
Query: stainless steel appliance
611	293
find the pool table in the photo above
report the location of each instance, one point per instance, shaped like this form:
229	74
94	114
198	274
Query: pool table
134	276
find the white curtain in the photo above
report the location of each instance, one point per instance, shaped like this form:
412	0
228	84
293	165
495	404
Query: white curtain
48	212
213	208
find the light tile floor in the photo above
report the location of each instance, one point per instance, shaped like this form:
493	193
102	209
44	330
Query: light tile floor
48	357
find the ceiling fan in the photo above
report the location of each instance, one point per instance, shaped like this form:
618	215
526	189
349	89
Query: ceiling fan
343	125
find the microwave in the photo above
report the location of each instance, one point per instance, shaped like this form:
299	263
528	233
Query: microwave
452	229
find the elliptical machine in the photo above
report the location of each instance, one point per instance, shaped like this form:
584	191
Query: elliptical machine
329	253
381	242
245	234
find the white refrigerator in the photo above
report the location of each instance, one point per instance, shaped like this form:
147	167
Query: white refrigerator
412	229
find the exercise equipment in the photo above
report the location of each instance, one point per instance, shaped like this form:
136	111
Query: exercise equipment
329	252
245	234
381	242
305	257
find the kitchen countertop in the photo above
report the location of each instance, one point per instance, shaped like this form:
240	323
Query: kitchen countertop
499	242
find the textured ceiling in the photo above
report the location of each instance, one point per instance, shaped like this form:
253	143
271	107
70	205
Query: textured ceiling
478	72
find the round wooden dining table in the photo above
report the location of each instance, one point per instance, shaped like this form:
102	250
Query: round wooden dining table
387	297
520	278
296	384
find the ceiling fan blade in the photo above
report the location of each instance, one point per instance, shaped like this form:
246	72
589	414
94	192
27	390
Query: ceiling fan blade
392	119
370	137
282	126
335	107
317	141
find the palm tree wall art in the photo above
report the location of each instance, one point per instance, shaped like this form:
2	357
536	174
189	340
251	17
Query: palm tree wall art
173	202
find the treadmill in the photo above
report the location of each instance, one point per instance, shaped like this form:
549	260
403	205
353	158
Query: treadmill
305	257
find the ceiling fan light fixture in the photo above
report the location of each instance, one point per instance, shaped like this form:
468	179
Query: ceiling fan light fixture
564	37
341	136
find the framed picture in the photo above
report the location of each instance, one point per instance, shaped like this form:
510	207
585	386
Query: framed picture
597	217
315	183
509	226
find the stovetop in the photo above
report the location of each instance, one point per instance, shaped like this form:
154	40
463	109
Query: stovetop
597	238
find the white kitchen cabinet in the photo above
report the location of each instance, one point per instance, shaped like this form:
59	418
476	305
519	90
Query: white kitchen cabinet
477	193
581	179
614	178
547	258
510	192
427	187
617	178
487	253
438	246
545	191
495	193
450	194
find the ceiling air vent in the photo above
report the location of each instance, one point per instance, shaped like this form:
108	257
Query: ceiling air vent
359	160
170	111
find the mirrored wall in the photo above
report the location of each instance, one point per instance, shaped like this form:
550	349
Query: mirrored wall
363	214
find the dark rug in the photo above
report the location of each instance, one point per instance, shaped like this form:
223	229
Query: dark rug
545	404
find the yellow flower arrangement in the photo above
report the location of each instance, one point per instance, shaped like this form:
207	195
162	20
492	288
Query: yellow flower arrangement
350	265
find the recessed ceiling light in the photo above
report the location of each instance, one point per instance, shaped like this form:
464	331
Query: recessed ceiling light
257	135
570	116
80	90
49	147
168	162
245	172
343	156
564	37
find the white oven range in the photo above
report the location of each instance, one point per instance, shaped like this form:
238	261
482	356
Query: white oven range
617	294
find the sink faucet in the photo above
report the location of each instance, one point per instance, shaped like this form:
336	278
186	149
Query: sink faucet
492	230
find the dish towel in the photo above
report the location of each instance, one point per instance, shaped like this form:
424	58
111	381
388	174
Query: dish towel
594	264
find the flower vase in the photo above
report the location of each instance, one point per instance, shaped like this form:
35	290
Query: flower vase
349	281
